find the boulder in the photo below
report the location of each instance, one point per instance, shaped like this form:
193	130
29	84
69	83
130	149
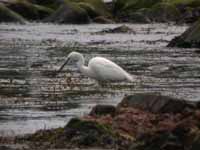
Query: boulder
30	11
177	11
156	103
188	10
103	20
189	39
167	12
140	16
87	133
77	133
130	6
96	6
89	9
7	15
141	122
69	13
100	110
188	14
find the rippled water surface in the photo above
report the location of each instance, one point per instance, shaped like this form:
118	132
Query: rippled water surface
31	98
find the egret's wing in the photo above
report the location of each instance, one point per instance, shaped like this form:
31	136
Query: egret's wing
107	70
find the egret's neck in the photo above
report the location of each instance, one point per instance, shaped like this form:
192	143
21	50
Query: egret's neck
84	69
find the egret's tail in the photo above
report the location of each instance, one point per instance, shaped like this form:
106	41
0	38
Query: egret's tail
129	77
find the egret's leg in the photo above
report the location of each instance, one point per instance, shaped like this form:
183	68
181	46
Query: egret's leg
104	84
96	85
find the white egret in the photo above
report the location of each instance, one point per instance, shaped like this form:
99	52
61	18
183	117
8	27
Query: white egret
99	68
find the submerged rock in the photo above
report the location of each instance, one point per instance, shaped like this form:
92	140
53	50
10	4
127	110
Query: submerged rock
120	29
7	15
101	110
190	38
69	13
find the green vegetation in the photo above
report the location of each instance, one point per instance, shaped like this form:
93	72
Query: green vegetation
98	5
78	133
30	11
143	11
90	9
189	3
53	4
168	10
69	12
132	5
7	15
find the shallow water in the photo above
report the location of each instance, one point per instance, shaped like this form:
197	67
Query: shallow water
32	99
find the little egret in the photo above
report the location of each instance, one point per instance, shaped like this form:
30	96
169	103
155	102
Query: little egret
99	68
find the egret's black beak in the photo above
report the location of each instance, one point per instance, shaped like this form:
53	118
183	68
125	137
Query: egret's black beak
63	65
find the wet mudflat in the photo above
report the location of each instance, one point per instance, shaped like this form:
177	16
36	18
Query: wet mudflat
31	98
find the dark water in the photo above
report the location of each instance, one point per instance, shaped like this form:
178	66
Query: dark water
32	99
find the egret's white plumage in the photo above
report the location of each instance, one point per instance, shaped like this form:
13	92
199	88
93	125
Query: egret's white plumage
99	68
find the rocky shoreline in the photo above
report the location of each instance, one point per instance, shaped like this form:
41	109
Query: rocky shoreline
98	11
139	122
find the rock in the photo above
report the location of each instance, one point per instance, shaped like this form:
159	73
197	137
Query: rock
6	148
89	133
140	16
96	6
54	4
142	122
155	103
127	10
163	141
133	5
167	12
189	39
132	122
7	15
120	29
69	13
103	20
189	10
89	9
170	10
77	133
30	11
196	143
100	110
189	15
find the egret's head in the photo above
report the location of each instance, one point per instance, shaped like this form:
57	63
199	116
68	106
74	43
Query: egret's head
72	58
